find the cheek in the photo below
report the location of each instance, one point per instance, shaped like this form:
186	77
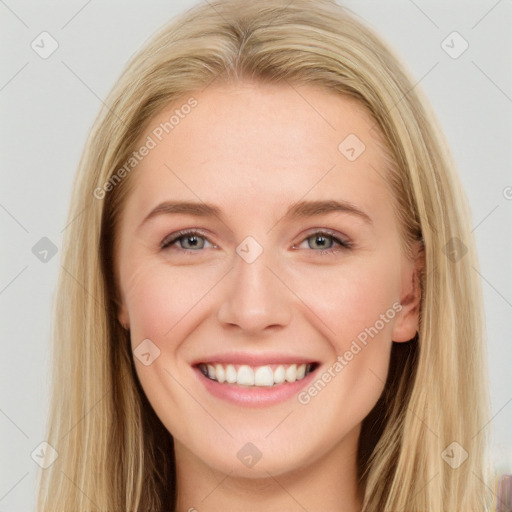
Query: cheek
357	306
353	307
160	299
352	298
163	303
342	301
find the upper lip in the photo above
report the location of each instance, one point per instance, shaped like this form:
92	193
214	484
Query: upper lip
252	359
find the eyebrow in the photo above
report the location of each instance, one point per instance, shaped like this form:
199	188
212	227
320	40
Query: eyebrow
302	209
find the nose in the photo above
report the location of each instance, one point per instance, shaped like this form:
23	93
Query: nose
255	298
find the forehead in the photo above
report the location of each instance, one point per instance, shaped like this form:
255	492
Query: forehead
253	146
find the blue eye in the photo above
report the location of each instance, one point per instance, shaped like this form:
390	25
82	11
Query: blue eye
321	240
191	238
193	241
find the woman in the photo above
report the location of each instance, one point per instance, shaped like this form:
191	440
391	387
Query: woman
267	300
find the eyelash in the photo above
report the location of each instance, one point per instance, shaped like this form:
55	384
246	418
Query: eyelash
343	245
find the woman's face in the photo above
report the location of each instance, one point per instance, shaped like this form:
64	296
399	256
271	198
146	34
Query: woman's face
295	259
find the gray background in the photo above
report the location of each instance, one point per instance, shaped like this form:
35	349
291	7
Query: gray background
47	108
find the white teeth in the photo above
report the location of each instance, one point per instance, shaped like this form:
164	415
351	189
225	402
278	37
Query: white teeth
230	374
245	376
264	376
220	374
279	375
258	376
291	373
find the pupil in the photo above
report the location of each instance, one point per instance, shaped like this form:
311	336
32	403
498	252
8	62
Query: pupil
321	239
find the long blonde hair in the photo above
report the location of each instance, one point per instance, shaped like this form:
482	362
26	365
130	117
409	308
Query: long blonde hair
113	452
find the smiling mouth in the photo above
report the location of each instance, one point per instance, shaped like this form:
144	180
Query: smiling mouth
256	376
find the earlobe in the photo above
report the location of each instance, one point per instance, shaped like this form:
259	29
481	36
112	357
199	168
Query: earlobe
407	321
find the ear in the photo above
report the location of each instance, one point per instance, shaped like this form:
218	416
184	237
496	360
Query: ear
407	320
123	317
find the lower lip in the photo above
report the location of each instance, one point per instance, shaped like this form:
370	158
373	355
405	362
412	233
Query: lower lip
254	396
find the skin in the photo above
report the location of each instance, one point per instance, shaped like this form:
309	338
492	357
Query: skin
253	149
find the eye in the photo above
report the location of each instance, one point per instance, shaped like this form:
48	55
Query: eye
326	243
193	241
190	240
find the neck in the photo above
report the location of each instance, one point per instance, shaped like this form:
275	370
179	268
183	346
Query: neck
329	483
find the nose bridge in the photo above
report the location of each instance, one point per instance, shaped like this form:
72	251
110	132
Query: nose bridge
255	298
